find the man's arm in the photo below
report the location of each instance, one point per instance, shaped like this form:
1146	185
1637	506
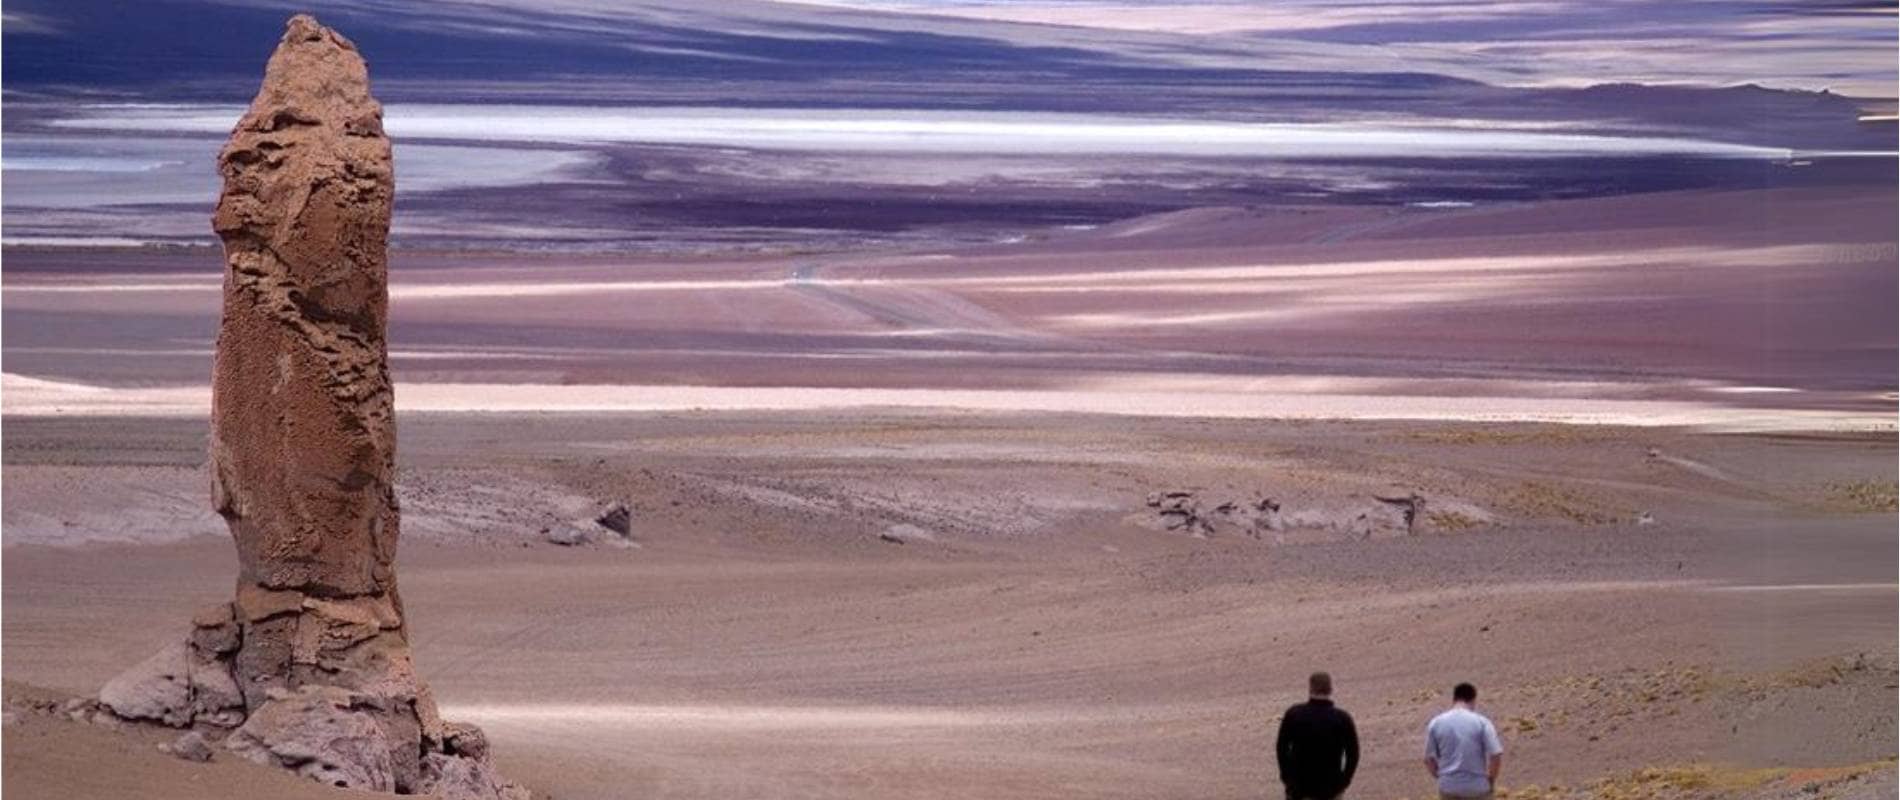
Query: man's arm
1283	746
1494	752
1352	755
1431	753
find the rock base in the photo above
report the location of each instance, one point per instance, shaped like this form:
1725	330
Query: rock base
343	707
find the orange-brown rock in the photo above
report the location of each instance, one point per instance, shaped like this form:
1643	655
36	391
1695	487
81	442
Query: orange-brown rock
303	430
309	666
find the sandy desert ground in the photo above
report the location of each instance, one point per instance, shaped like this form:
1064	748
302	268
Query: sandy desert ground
903	604
893	533
1008	398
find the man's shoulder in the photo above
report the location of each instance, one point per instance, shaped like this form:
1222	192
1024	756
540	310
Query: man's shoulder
1315	712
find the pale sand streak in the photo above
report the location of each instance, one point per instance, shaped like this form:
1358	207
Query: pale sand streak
1810	587
741	718
26	396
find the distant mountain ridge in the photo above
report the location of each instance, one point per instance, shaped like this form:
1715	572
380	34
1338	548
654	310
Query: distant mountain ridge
762	54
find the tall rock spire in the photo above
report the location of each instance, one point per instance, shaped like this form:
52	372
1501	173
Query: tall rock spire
311	663
303	432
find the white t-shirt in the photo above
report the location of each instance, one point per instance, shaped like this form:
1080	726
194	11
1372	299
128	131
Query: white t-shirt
1462	741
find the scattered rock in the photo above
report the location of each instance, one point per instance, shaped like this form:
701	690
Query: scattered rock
566	535
905	534
465	740
1645	518
452	778
617	518
215	697
191	747
316	733
1181	510
1159	499
1411	508
158	689
214	629
1267	516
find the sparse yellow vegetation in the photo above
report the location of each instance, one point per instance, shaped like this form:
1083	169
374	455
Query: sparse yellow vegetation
1867	496
1818	674
1699	782
1556	434
1451	520
1537	499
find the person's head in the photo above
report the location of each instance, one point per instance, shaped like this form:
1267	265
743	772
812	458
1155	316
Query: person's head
1464	693
1319	684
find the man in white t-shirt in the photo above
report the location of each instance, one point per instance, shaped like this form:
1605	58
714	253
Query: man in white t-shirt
1462	750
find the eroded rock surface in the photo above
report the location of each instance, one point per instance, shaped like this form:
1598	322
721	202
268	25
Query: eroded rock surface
310	663
303	434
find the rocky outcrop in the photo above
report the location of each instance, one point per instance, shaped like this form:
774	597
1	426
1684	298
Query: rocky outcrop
193	746
1185	511
1411	508
310	663
617	518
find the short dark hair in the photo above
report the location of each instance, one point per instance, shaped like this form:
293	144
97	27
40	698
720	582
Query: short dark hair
1319	683
1464	692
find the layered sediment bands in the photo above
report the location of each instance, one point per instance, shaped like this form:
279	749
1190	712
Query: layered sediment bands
309	667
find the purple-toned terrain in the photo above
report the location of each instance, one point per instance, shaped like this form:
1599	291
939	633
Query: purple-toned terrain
929	399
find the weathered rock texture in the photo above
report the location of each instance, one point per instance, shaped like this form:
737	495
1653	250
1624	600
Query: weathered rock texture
310	664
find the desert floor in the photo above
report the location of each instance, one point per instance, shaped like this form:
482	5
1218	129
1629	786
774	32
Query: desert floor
892	526
901	604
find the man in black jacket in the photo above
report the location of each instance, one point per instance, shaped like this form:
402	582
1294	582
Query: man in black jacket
1318	746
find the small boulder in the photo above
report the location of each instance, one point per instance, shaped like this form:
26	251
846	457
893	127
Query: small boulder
158	688
457	778
215	697
565	535
214	629
1411	508
191	747
1267	516
315	732
463	739
905	534
617	518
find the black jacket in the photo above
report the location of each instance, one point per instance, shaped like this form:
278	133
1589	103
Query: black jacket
1318	750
